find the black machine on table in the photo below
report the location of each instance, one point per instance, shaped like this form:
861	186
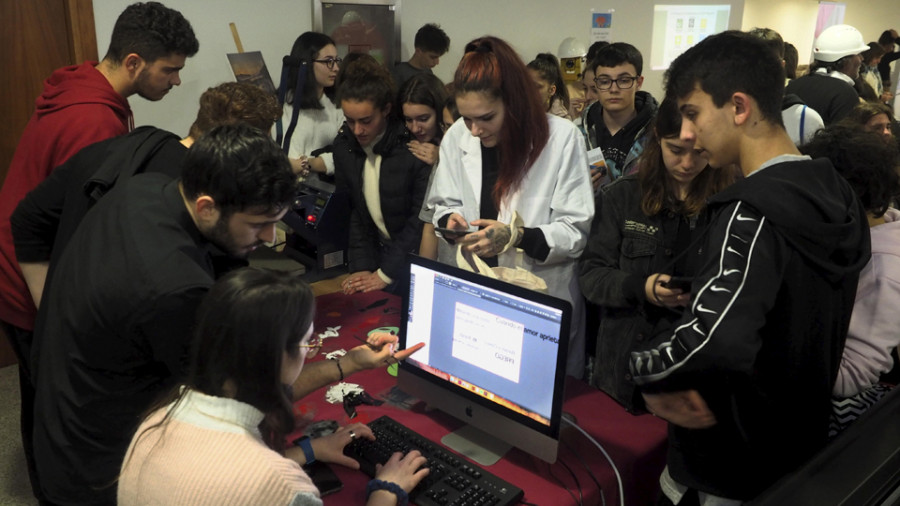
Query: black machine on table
320	219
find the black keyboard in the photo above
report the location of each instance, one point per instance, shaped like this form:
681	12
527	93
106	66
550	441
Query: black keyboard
453	480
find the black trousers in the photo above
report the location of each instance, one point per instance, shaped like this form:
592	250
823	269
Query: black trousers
20	340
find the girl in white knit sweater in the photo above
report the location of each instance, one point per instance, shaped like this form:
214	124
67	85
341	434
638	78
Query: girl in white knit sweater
219	437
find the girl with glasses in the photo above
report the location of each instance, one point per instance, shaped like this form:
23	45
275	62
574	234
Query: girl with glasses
319	119
219	438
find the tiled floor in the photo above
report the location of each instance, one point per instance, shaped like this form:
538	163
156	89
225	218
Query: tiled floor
14	487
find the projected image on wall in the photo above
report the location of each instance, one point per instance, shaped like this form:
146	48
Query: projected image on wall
678	27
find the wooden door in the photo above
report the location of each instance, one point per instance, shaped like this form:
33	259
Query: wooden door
37	37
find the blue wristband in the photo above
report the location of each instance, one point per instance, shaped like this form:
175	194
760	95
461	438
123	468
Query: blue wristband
305	444
376	484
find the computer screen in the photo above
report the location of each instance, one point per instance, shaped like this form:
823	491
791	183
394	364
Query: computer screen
494	353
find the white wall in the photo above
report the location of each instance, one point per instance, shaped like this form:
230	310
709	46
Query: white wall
271	26
531	26
872	17
796	20
537	26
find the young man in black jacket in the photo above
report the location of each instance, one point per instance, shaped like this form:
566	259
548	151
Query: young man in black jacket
745	378
46	218
114	325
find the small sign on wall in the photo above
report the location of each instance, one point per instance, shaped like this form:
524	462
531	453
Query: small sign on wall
601	26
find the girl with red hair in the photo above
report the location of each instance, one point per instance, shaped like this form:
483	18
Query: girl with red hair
513	180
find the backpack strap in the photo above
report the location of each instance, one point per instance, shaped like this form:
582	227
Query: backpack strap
802	121
289	64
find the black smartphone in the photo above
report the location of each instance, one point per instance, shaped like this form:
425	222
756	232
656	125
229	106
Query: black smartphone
452	233
682	283
323	477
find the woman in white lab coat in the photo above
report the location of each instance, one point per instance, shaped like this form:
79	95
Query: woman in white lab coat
509	156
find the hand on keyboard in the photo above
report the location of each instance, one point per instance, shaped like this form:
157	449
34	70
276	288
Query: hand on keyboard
404	470
330	448
450	479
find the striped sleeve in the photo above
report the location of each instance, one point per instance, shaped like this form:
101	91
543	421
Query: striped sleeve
738	285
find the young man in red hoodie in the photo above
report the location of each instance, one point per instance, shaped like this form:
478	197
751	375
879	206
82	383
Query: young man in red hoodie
81	105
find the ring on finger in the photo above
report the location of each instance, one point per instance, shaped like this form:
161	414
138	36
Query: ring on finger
352	435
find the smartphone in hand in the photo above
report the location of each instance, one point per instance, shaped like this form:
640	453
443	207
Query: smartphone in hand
682	283
452	233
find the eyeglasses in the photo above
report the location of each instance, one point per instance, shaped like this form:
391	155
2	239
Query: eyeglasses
623	83
330	62
313	347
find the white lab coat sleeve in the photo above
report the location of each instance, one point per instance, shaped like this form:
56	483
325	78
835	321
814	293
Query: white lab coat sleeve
447	188
572	200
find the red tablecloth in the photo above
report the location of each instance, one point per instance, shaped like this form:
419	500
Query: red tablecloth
635	443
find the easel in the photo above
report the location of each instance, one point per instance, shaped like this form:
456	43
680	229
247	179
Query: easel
237	38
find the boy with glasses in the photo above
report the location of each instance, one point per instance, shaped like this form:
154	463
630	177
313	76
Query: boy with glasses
617	122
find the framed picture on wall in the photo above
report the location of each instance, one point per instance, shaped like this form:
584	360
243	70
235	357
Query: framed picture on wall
361	26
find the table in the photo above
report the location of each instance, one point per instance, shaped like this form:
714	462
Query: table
637	444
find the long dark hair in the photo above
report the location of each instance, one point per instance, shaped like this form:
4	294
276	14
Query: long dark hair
492	67
656	191
246	322
249	319
791	60
424	89
306	49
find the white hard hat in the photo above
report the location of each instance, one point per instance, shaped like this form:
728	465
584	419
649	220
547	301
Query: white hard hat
573	48
838	41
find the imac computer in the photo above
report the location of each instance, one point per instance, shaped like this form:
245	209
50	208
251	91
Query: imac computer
494	358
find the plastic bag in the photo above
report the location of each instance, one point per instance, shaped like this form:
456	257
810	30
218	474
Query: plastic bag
513	275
